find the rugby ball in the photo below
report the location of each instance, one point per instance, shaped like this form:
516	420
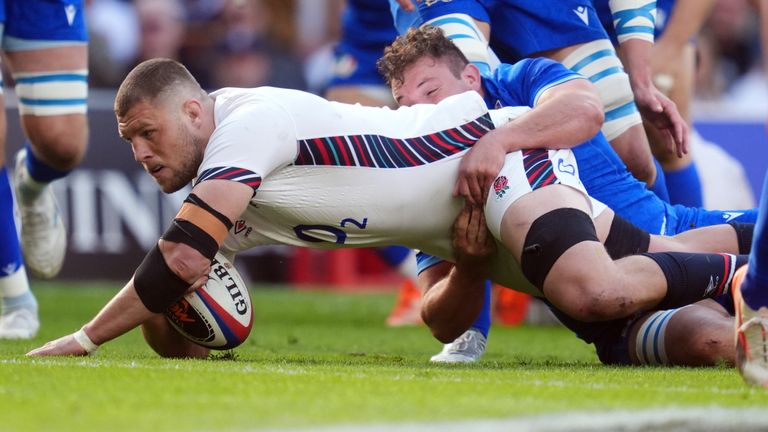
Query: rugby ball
218	315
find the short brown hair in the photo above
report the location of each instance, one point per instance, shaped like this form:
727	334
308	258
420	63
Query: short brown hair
427	41
151	79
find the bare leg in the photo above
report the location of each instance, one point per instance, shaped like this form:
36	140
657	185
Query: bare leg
58	140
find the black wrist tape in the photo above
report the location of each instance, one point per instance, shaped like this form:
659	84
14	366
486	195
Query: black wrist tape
186	232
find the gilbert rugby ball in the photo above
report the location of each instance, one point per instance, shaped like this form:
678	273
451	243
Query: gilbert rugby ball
218	315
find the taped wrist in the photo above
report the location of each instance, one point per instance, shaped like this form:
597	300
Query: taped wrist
182	231
84	341
196	200
156	284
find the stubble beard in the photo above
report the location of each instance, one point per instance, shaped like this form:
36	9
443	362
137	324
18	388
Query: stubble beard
193	158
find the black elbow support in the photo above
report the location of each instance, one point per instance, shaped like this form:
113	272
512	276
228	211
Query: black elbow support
156	284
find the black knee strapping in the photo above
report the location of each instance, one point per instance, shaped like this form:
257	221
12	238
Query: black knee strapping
549	237
743	235
156	284
626	239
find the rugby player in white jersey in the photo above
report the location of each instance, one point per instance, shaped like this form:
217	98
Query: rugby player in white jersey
303	171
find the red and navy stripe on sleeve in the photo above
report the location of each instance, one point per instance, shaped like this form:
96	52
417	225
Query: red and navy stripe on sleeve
239	175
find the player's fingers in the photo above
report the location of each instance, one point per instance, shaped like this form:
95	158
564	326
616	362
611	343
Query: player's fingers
681	135
197	284
475	190
461	187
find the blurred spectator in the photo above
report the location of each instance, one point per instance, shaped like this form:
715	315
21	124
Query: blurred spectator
163	26
729	66
249	43
254	65
113	29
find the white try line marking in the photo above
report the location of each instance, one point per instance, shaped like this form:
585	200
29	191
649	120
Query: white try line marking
705	419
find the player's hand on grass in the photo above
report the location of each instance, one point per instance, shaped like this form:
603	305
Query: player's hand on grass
478	169
473	244
63	346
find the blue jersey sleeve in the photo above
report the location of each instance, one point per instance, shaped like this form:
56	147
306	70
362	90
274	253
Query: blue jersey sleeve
425	261
522	83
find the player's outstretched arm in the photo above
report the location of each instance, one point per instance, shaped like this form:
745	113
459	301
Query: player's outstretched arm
187	268
454	293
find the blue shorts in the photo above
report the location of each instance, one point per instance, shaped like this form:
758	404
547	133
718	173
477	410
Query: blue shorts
521	28
38	24
609	337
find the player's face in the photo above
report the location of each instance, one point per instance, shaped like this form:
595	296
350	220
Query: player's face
163	143
429	80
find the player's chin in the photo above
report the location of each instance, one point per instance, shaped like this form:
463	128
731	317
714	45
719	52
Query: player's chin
170	185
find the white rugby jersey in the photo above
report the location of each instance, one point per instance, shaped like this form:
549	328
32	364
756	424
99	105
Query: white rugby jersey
329	175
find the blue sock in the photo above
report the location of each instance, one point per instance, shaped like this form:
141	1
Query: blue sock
483	321
684	186
659	186
393	255
39	170
754	289
10	250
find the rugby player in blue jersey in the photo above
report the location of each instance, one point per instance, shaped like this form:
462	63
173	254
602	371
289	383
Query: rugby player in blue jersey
45	46
424	67
570	32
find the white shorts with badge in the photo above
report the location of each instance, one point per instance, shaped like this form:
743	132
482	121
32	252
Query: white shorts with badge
525	171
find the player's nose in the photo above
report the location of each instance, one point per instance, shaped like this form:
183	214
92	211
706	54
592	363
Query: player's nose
141	150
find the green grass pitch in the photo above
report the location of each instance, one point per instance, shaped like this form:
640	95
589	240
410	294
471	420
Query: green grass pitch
322	359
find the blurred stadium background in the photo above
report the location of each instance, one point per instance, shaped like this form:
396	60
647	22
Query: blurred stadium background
115	212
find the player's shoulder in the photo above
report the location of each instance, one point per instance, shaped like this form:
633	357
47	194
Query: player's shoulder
272	100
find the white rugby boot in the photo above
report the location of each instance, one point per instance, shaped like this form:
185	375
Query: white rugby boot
43	235
19	324
751	336
467	348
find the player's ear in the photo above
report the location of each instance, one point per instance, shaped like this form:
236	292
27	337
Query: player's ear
193	110
471	76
